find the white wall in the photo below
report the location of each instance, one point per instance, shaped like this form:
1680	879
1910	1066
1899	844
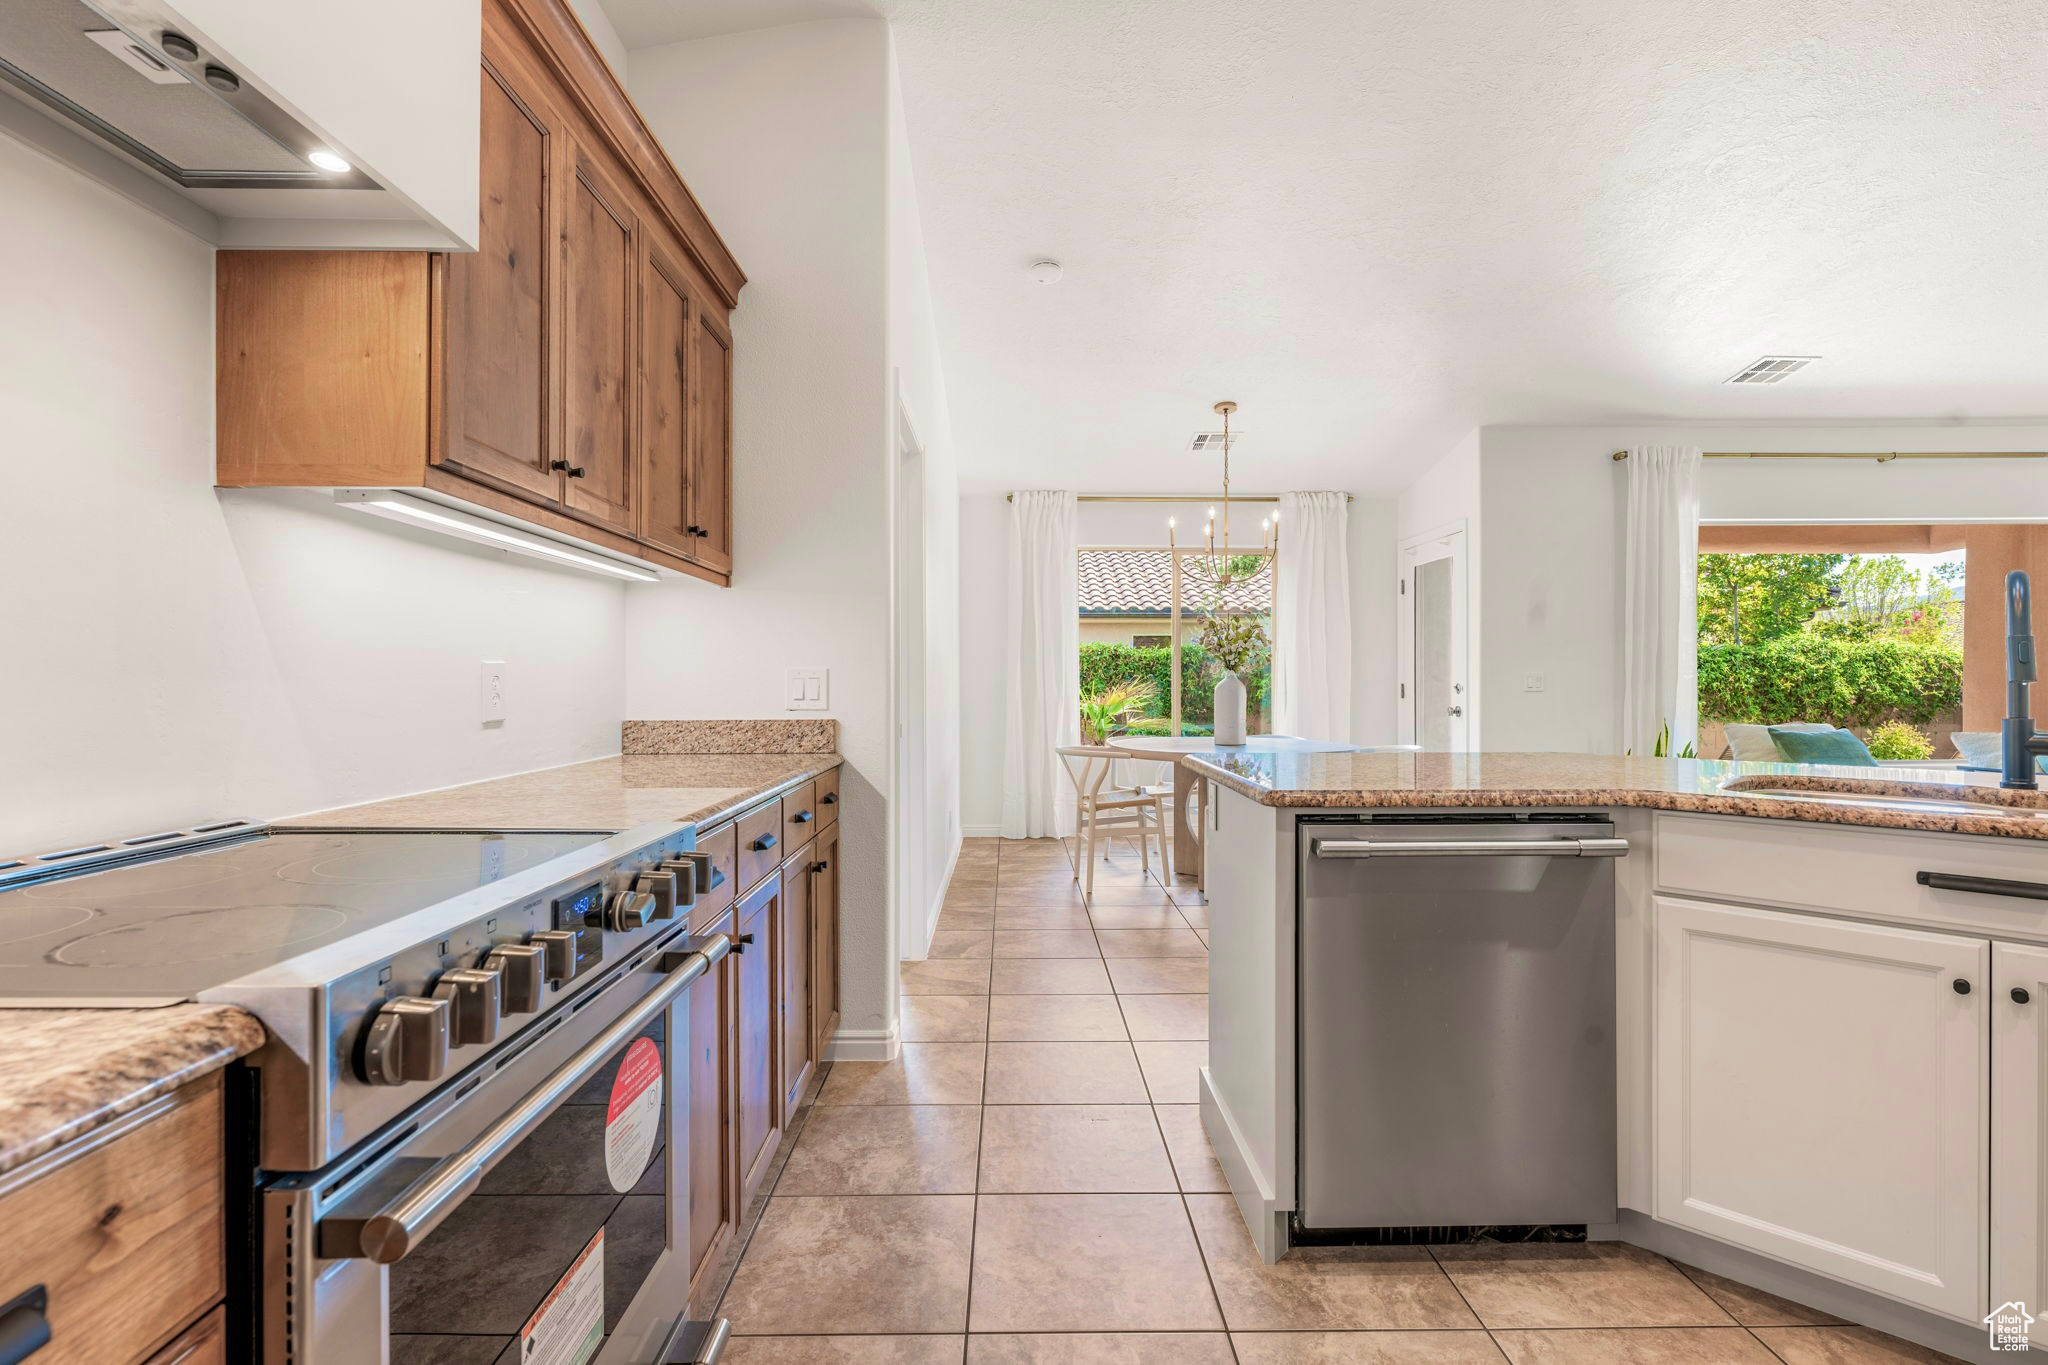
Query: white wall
984	540
1553	509
174	653
1374	653
783	135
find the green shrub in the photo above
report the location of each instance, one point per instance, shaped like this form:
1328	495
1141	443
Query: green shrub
1843	682
1897	739
1104	665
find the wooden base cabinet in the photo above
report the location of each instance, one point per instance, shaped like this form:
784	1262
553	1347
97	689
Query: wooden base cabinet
825	933
758	1111
795	943
575	372
2019	1132
1820	1096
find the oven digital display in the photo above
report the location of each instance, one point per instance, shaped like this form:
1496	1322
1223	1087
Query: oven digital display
580	908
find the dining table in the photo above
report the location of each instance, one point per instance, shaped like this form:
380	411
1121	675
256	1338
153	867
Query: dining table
1187	819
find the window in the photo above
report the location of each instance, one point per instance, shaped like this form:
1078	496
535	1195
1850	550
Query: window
1141	596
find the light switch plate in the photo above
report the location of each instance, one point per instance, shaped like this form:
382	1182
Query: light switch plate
490	680
806	689
1532	682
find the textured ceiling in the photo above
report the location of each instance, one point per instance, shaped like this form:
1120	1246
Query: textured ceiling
649	23
1377	224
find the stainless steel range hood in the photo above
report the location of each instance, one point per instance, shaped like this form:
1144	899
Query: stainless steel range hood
124	72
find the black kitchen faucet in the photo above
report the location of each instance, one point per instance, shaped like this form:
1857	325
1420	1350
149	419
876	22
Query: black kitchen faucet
2019	746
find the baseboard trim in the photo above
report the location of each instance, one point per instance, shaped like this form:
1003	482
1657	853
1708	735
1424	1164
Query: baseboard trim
865	1044
931	912
981	831
1263	1217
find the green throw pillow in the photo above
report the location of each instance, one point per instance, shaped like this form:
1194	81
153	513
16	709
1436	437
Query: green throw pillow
1837	747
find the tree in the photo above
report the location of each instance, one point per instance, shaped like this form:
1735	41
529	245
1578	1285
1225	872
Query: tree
1880	597
1749	599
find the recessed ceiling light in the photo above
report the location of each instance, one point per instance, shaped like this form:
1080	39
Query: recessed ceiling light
1769	369
1046	272
327	161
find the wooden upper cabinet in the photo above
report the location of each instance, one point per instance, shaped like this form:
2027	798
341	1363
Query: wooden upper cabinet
575	372
499	303
600	347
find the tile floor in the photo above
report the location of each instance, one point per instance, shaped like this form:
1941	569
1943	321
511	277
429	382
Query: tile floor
1029	1183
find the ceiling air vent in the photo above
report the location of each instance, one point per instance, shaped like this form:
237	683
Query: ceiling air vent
1770	369
1207	442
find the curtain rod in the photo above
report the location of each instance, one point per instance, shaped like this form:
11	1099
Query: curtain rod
1881	456
1165	497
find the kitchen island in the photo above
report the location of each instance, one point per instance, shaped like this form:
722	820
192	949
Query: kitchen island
1827	983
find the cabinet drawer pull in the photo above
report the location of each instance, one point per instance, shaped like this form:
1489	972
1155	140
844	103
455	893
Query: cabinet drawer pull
24	1326
1987	886
740	944
1960	985
575	471
2020	995
829	799
802	817
557	466
765	842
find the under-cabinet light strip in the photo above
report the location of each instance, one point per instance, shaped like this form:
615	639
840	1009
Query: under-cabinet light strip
398	507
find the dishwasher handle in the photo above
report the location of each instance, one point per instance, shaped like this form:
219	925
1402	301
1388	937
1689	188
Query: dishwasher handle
1469	848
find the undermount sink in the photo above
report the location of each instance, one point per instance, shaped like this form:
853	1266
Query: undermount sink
1897	793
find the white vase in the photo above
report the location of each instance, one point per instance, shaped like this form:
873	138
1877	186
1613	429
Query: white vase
1230	710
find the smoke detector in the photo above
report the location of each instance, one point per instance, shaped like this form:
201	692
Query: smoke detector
1203	442
1769	369
1046	272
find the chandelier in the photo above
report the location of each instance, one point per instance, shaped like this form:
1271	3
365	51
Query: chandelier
1217	566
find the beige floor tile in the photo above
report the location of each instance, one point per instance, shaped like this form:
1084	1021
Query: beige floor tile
1160	975
1203	934
1167	1018
1193	1160
1323	1289
1135	916
1194	910
1846	1346
953	943
1135	893
1051	976
1039	894
944	1018
1088	1263
946	976
1063	1073
1055	1018
970	921
1754	1307
933	1350
884	1149
1151	943
1021	917
1046	943
1587	1284
1365	1348
888	1263
1073	1149
1106	1348
1173	1071
974	894
1635	1346
923	1073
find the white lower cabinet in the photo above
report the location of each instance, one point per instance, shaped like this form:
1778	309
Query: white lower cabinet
1821	1096
2019	1130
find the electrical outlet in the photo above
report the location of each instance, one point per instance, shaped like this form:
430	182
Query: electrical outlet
806	689
491	691
1532	682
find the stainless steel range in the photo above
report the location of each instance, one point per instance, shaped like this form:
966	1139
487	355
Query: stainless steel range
472	1035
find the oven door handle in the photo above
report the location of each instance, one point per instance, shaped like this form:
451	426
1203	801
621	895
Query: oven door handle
387	1224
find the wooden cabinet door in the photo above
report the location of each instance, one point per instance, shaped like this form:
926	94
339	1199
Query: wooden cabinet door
757	1112
600	340
711	441
499	304
1821	1095
793	974
668	317
2019	1130
714	1180
825	937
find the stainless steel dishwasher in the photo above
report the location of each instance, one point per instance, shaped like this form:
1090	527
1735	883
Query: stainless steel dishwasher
1456	999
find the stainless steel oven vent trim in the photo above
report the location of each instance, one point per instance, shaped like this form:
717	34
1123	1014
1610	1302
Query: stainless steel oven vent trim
37	867
1470	848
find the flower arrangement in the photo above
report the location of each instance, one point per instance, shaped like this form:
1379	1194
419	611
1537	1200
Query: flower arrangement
1237	640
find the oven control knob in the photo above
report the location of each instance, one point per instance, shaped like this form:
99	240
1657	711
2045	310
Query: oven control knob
521	983
475	999
630	910
407	1040
558	947
693	876
666	888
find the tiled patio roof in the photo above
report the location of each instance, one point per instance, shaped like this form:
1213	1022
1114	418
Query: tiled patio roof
1140	583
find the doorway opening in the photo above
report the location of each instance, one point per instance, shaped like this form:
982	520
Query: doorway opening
1434	684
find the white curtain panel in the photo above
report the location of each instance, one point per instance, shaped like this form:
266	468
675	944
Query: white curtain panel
1042	704
1312	619
1659	663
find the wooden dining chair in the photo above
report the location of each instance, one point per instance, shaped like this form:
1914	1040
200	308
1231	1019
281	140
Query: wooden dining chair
1104	808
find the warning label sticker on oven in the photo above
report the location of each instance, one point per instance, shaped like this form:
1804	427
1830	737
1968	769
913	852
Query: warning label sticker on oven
632	1124
568	1327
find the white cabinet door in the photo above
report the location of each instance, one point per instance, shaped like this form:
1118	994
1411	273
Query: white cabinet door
1821	1096
2019	1131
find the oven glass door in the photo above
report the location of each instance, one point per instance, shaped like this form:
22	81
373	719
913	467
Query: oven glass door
547	1260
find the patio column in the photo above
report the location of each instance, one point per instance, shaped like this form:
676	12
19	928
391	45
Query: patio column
1993	552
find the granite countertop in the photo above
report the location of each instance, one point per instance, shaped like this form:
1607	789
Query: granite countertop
64	1073
602	794
1367	780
